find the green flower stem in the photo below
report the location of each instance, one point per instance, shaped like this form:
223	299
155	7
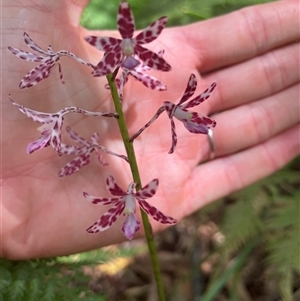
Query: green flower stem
136	178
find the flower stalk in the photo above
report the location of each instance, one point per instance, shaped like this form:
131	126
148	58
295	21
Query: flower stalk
136	178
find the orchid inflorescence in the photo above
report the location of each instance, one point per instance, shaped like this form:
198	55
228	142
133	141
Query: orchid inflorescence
129	56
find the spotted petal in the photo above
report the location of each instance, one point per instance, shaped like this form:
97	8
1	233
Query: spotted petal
27	56
113	187
156	214
108	218
171	108
34	115
37	74
157	114
148	81
152	31
200	98
190	89
30	43
125	21
100	201
147	191
77	137
43	141
142	67
74	165
109	62
151	59
106	44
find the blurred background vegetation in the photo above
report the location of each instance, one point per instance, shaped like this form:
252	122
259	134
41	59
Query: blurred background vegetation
243	247
101	14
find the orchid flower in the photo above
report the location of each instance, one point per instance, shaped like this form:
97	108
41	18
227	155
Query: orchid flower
52	125
193	121
84	152
120	52
139	73
47	60
124	202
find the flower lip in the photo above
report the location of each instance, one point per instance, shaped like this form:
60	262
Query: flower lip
130	63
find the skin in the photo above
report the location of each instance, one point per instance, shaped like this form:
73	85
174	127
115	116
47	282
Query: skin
253	55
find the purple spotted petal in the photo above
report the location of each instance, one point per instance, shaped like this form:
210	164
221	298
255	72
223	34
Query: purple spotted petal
75	136
190	89
100	201
27	56
151	59
200	98
55	140
152	31
106	44
156	214
74	165
30	43
142	67
34	115
125	21
131	226
71	149
113	187
148	80
147	191
109	62
170	109
42	142
157	114
107	219
121	83
174	136
37	74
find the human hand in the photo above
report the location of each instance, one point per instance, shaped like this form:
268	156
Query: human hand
252	54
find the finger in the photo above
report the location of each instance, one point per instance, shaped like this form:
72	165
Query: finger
222	176
256	122
256	78
243	34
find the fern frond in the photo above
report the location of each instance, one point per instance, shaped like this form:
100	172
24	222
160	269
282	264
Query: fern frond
283	235
241	222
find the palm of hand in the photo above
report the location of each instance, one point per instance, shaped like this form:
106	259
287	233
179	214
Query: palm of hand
45	209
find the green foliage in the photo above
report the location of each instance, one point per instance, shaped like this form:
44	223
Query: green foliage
43	280
268	210
56	279
101	14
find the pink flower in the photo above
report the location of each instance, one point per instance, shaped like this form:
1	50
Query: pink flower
52	125
120	52
124	202
139	74
84	152
47	60
193	121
